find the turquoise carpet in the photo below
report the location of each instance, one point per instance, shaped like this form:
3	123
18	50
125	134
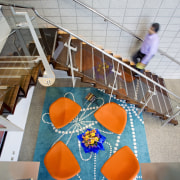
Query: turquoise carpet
133	135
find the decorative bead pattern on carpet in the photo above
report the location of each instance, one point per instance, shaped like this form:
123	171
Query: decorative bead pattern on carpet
90	163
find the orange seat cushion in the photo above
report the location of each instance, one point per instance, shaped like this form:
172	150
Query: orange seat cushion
121	165
60	162
112	116
63	111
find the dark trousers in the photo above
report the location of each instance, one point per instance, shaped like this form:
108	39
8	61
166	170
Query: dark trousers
137	57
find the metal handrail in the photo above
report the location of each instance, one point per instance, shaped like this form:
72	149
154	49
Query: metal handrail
102	51
124	29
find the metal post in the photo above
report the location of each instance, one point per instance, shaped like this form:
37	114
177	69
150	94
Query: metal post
70	58
49	77
170	118
114	83
149	98
104	68
81	58
93	63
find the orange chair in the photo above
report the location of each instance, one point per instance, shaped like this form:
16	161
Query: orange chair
121	165
112	116
60	162
63	111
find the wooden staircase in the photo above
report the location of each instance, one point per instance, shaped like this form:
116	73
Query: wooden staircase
15	80
96	68
18	73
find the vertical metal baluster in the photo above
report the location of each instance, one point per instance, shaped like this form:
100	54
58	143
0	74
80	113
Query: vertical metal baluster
133	83
151	98
114	82
157	97
142	89
151	94
125	80
81	56
114	75
93	63
163	98
105	80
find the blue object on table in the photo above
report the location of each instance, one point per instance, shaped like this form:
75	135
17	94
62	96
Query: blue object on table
94	148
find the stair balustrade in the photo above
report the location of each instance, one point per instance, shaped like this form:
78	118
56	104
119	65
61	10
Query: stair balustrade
112	73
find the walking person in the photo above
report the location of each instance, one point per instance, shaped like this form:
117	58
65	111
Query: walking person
148	48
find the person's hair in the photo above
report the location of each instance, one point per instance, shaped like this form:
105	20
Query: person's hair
156	27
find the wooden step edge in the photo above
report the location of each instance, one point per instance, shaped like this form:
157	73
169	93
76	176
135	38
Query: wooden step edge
132	63
116	93
35	73
1	108
85	79
10	100
100	86
117	56
42	69
24	83
76	73
109	52
100	47
59	66
48	58
173	121
126	61
4	87
72	38
61	32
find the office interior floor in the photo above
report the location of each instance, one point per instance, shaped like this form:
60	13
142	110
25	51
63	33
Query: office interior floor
163	143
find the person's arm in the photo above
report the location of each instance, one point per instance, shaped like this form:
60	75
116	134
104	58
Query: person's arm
146	58
152	51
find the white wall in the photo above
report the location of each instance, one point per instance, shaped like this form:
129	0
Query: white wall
5	30
12	145
136	15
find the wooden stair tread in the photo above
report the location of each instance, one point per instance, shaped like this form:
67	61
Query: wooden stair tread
17	58
16	65
166	97
132	63
62	58
160	95
161	81
118	57
9	98
109	52
23	82
87	60
63	37
78	54
15	72
126	61
48	38
35	72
